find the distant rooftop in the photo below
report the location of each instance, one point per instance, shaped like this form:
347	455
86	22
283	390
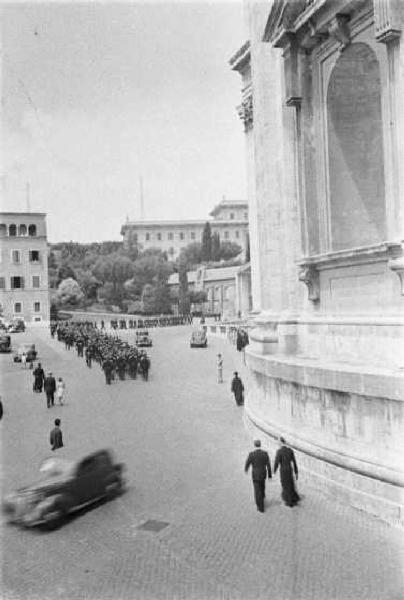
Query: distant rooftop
228	204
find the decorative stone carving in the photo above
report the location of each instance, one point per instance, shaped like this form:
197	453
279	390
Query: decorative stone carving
388	19
310	276
397	265
339	29
245	112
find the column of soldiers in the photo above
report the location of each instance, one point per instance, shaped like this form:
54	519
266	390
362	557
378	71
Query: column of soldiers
117	358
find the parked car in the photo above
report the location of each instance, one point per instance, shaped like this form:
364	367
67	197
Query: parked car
143	339
199	339
65	486
16	325
28	349
5	342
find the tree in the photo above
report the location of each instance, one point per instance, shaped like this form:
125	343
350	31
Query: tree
88	284
247	252
207	243
65	271
69	292
215	255
191	255
229	250
197	296
183	293
148	299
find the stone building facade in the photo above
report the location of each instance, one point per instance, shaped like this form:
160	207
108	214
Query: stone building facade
230	221
322	91
24	267
228	289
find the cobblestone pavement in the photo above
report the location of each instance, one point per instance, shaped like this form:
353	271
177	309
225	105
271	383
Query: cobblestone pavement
184	445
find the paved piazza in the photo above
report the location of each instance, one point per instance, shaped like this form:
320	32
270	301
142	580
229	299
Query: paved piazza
184	444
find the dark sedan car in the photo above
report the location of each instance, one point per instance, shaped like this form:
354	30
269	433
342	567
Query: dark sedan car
143	339
65	487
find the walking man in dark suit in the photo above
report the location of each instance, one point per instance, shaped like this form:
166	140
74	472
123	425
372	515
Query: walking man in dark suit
55	437
49	386
261	466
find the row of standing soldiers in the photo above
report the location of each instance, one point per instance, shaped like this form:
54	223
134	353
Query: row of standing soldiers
115	356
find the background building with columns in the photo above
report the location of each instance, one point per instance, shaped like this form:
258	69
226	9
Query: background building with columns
322	87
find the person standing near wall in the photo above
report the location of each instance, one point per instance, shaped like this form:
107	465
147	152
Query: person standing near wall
219	368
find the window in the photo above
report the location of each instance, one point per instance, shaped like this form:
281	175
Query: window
192	235
170	236
32	230
159	237
181	236
147	237
16	256
37	307
3	230
36	282
34	256
237	234
246	216
226	235
2	283
12	230
232	216
17	282
135	238
22	230
18	307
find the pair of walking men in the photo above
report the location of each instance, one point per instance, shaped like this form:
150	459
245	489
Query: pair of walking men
261	468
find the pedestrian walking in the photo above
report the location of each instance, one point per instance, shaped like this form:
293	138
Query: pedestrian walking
39	377
24	360
237	387
285	458
55	438
261	466
49	387
60	390
219	368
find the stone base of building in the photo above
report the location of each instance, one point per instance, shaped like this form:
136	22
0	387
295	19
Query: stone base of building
345	433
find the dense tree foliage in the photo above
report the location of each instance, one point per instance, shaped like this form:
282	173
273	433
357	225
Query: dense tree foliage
109	274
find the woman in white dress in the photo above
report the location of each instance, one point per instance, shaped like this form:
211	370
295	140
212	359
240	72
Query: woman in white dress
60	390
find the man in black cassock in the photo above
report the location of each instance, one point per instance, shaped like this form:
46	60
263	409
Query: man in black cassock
237	388
285	458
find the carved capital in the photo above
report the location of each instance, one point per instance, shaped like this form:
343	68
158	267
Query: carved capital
310	276
245	112
388	19
340	30
397	266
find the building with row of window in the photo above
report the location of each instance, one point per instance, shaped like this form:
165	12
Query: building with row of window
24	267
228	289
229	220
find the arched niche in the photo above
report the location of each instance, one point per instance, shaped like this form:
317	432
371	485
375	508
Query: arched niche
32	230
12	230
22	229
355	150
3	230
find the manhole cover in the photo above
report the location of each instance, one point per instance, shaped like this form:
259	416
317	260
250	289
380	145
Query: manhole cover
153	525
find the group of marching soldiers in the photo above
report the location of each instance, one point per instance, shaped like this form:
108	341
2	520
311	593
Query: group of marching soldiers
117	358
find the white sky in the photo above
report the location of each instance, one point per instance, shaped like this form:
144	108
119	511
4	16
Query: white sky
95	94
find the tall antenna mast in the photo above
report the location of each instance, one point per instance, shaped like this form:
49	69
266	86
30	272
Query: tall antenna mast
28	198
141	198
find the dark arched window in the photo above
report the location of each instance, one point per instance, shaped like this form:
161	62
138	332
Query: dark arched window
355	150
22	230
32	230
3	230
12	230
